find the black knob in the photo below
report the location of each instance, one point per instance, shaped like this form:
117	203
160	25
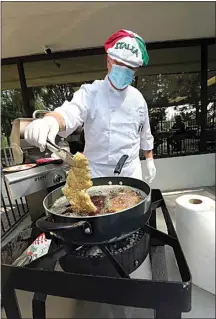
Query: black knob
57	179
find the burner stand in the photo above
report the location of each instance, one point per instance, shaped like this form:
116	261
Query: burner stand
129	253
168	299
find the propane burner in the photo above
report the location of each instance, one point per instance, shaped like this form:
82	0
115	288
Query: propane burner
129	253
114	248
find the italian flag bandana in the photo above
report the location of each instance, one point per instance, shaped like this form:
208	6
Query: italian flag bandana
127	47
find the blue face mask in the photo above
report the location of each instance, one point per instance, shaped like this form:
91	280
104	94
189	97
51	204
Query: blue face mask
121	76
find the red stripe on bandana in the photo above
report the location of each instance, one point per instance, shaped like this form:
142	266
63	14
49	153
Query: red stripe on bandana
116	37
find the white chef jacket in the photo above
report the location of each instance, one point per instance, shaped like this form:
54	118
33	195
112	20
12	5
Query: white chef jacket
115	123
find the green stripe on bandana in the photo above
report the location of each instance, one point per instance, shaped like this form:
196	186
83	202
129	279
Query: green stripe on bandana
142	47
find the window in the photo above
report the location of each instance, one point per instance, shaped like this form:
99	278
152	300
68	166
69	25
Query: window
11	108
174	110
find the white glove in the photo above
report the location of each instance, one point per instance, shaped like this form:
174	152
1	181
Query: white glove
151	170
38	131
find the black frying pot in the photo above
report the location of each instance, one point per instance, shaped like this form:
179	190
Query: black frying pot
100	228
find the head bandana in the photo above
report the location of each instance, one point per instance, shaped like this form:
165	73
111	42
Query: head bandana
127	47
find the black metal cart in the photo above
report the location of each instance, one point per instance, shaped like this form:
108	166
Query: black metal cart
168	299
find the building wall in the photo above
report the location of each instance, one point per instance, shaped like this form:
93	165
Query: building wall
183	172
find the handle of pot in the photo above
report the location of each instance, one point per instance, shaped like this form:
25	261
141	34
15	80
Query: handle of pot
46	225
156	199
120	164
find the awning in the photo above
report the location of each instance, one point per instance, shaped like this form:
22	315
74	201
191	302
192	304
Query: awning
28	26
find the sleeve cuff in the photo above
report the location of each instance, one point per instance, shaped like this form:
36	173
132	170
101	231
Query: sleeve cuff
147	145
67	130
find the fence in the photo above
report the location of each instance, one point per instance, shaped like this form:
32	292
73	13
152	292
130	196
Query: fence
170	140
12	211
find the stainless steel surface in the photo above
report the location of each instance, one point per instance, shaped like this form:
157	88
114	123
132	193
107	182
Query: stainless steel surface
18	127
17	134
62	153
17	142
35	204
35	179
22	150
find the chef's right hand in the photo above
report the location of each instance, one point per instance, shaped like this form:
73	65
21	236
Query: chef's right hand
39	131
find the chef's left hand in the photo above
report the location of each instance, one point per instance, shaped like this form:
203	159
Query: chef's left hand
151	170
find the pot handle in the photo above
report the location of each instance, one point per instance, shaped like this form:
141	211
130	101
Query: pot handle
47	225
156	199
120	164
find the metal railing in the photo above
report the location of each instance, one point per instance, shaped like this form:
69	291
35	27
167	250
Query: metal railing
170	143
12	211
7	157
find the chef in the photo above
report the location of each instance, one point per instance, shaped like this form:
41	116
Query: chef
114	113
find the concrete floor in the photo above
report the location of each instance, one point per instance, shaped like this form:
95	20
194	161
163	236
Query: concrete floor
203	303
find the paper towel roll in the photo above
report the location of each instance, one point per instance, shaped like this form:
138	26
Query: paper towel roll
195	227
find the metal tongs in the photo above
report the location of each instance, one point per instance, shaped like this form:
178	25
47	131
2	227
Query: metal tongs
61	153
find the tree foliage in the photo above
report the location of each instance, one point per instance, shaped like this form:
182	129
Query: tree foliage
50	97
41	98
11	108
160	91
164	90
